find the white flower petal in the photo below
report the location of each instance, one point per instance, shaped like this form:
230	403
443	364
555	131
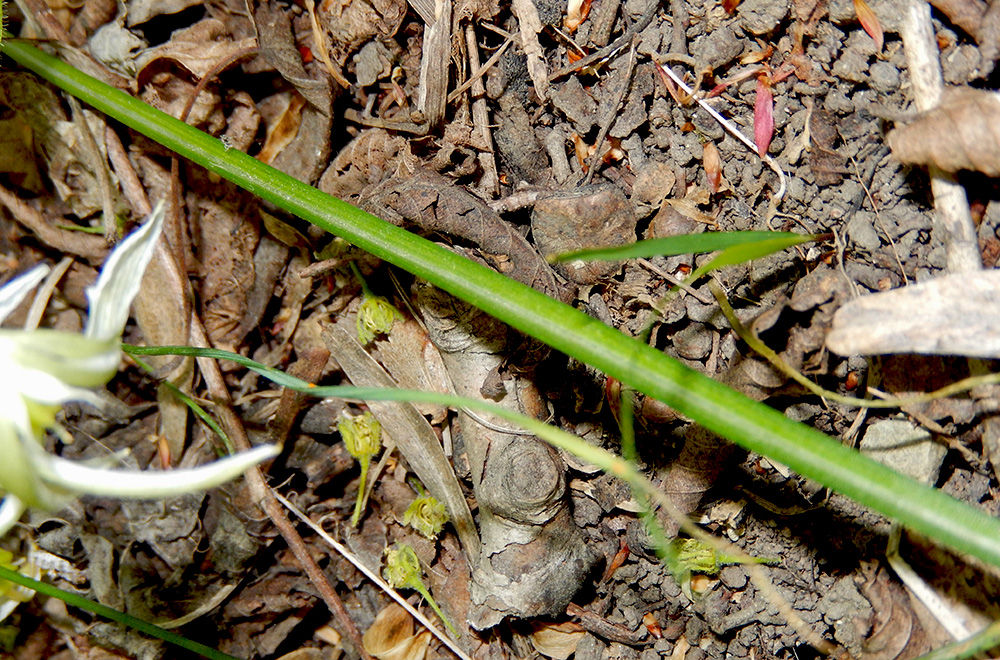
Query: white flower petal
10	513
13	410
111	296
147	485
13	292
72	358
18	476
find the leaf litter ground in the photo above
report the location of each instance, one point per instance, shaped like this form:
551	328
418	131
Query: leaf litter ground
517	165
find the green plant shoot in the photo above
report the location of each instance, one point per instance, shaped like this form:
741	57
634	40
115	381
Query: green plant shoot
402	571
426	515
362	436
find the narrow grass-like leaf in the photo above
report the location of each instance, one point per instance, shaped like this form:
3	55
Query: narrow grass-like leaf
690	244
717	407
82	603
747	252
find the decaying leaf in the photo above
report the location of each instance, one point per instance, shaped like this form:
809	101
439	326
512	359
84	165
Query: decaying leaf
576	13
827	165
557	640
391	636
952	315
962	133
869	21
712	163
763	117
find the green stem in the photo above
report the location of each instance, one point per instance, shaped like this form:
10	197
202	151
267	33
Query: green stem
108	613
365	464
422	590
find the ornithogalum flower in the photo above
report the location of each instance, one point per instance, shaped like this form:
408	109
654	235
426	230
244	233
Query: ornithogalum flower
43	369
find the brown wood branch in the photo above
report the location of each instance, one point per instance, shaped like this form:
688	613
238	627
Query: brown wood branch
614	48
611	114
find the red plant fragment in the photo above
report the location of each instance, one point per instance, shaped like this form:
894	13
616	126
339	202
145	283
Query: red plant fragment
306	53
652	626
576	13
730	5
869	21
623	550
712	162
763	117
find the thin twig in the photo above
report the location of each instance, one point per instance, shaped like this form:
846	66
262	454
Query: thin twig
480	112
954	219
656	270
263	496
373	576
616	46
611	114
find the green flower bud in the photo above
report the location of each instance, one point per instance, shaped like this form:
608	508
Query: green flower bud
362	436
402	571
426	515
696	556
375	317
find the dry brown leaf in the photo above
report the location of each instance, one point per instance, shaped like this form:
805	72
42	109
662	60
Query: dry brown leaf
576	13
391	636
712	163
962	133
283	129
557	641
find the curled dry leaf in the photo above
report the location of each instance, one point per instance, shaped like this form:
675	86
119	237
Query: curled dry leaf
576	13
652	626
557	640
962	133
713	165
391	637
869	21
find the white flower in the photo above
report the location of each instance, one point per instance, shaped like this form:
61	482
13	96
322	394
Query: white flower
43	369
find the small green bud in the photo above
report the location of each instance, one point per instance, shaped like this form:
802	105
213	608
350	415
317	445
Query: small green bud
375	317
402	568
426	515
362	436
402	571
696	556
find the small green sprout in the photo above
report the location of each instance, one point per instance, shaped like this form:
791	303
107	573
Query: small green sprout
402	571
426	515
362	436
375	315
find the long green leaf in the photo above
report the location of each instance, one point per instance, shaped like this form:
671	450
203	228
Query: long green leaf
146	627
688	244
717	407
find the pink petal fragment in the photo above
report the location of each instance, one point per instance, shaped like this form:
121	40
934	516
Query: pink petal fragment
763	117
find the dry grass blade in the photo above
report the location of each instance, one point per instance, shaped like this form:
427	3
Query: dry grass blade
962	133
